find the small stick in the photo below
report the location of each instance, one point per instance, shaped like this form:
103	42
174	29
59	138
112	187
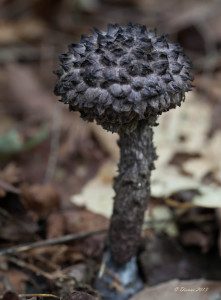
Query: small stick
61	240
35	295
54	147
50	242
28	266
8	187
38	295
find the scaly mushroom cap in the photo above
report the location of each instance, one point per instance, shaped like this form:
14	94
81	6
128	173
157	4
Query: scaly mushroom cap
123	75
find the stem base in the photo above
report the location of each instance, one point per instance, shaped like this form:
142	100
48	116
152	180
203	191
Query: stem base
118	282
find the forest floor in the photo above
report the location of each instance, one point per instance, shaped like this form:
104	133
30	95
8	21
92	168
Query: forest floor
56	172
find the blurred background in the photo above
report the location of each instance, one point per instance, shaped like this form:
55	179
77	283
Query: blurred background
56	171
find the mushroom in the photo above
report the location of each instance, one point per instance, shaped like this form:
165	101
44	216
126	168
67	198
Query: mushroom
124	78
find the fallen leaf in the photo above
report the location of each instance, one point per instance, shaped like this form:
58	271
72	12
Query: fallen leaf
82	221
160	218
55	225
17	279
23	84
17	230
210	197
24	29
196	238
97	195
11	173
40	199
107	140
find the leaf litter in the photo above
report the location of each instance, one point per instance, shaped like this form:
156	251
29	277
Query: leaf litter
180	188
174	135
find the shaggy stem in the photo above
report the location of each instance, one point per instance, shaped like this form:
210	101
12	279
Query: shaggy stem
132	188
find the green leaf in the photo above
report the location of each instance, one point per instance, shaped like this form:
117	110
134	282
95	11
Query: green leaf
10	143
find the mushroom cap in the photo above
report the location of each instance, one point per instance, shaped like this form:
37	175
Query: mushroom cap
122	75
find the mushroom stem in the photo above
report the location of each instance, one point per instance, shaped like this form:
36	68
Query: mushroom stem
132	188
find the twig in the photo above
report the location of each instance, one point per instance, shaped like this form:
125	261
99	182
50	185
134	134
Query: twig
28	266
36	270
46	262
54	147
38	295
50	242
35	295
8	187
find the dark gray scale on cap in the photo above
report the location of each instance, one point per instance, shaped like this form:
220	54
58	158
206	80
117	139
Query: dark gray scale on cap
122	75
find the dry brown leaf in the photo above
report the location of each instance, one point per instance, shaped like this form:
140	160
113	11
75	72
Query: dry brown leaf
83	221
185	14
196	238
30	29
78	133
24	85
11	173
16	279
55	225
107	140
40	199
2	192
25	29
209	86
16	230
175	130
